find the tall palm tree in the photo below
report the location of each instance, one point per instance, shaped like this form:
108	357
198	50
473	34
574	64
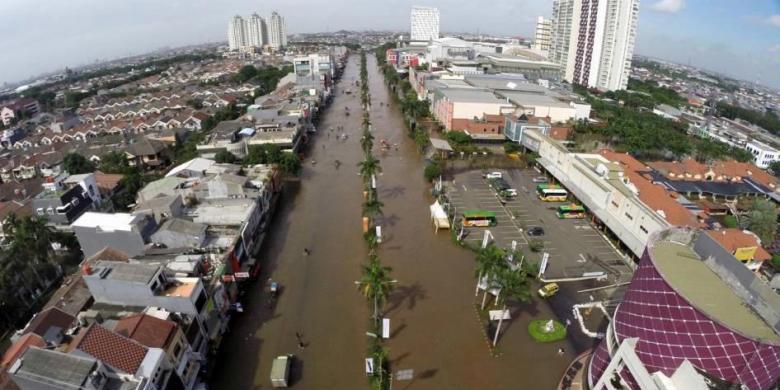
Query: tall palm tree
490	260
513	284
372	208
369	167
367	141
376	283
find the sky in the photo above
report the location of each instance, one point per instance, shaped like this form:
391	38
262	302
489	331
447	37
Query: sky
738	38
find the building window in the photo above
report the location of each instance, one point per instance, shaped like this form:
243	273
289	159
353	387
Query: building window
630	218
615	204
201	301
642	228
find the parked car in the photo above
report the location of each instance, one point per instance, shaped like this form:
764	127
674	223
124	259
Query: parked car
508	193
539	179
500	184
493	175
549	290
536	231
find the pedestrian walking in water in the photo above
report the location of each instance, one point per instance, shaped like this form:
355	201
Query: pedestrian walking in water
306	251
561	351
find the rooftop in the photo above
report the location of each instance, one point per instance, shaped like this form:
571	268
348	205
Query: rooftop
684	269
147	330
55	369
19	347
127	272
106	221
117	351
472	96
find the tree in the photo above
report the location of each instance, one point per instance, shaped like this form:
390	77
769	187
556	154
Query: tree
375	284
458	138
246	73
774	167
114	162
432	171
224	157
372	208
290	164
369	167
77	164
762	219
513	284
367	141
730	222
490	261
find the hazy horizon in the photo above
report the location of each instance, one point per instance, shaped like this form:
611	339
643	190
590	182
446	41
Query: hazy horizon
719	35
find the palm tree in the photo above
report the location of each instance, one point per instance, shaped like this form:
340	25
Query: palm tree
369	167
367	141
490	260
372	208
376	283
513	284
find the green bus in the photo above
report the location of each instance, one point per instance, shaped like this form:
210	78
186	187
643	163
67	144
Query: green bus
551	193
571	211
481	218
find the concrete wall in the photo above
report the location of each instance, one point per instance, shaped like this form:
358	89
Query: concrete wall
93	240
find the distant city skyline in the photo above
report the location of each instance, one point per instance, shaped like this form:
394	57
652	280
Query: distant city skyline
741	40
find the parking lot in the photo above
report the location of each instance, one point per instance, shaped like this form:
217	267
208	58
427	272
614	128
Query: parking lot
575	247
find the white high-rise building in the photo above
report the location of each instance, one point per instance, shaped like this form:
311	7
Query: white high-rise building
237	33
277	31
425	24
593	41
257	31
543	36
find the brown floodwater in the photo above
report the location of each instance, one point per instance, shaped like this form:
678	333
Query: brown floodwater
434	328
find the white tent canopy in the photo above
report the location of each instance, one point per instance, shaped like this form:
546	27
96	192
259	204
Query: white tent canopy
439	217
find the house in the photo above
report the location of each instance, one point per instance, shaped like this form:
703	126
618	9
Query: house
121	354
147	285
126	232
50	324
63	206
167	186
18	108
46	369
180	233
168	336
148	153
744	245
162	207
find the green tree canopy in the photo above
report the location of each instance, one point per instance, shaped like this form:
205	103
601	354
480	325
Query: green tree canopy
77	164
762	219
223	156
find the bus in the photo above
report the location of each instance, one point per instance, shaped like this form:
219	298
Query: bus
571	211
551	193
481	218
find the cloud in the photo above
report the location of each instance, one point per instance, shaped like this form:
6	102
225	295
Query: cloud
774	20
774	48
669	6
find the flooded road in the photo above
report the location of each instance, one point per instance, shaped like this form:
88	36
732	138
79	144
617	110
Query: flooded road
434	328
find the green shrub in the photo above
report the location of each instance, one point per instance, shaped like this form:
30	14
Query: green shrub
536	330
432	171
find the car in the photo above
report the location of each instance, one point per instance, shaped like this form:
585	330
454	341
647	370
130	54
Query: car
536	231
539	179
549	290
509	193
499	184
493	175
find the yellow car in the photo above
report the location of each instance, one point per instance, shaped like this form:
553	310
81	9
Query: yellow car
548	290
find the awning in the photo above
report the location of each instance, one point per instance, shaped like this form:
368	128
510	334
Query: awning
439	217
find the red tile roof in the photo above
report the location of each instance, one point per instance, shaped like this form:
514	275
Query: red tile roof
654	196
117	351
733	239
18	348
147	330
